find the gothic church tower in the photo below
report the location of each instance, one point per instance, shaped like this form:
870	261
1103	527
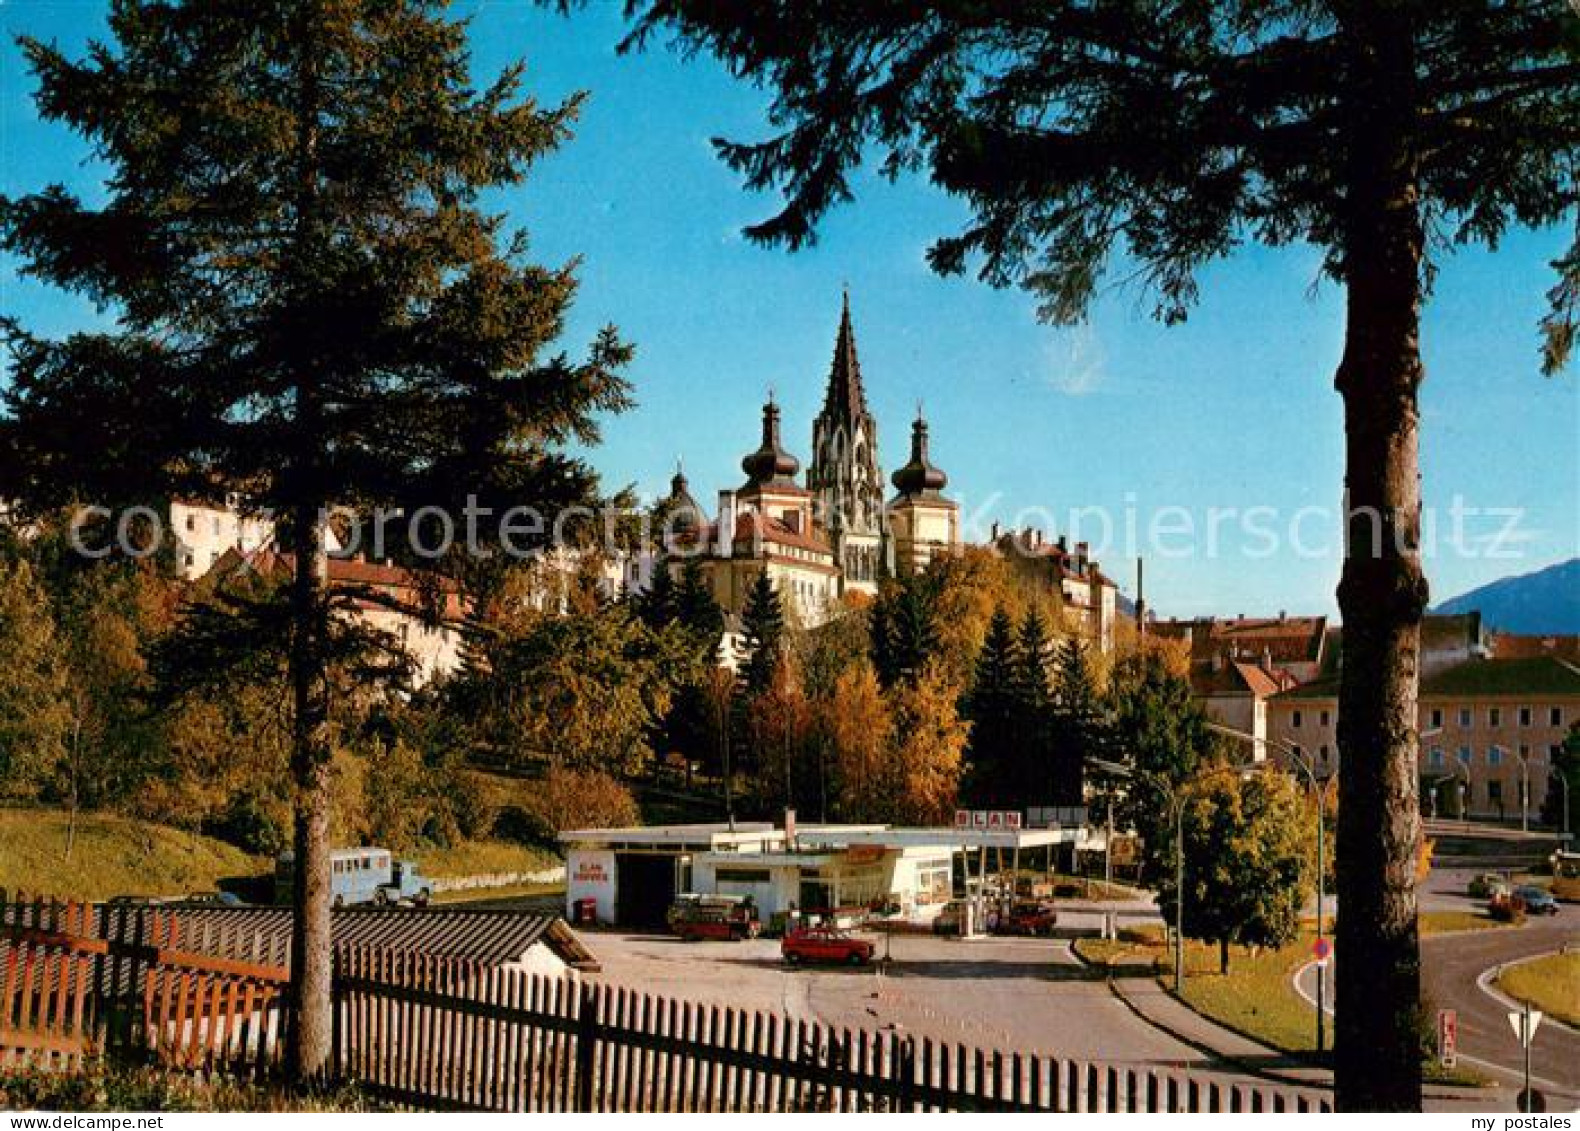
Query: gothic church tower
846	485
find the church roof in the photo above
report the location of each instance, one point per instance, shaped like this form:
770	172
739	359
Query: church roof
919	478
845	399
680	510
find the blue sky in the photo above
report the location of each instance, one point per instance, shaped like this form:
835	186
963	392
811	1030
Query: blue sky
1232	411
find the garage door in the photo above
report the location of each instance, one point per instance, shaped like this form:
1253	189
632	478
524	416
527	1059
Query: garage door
644	888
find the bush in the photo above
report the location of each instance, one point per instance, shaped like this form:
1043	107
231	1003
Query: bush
252	825
101	1087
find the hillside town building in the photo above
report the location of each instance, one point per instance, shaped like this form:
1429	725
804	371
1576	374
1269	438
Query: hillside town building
1494	708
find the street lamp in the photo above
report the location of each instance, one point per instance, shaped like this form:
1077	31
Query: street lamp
1561	776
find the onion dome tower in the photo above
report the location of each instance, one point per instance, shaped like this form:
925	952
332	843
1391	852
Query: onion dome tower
923	524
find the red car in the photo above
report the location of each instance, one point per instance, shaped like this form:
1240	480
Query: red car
825	944
1028	919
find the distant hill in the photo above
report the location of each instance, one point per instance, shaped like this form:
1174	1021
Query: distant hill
1547	601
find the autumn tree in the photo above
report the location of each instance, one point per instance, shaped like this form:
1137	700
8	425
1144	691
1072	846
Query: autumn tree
924	763
856	725
1383	132
33	684
1248	871
309	306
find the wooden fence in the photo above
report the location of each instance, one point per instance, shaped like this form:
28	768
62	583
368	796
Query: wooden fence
500	1039
441	1033
79	981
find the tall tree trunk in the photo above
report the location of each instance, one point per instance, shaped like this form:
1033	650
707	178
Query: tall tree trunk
1383	592
312	944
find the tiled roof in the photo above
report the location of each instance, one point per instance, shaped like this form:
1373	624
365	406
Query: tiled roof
1528	676
490	937
752	527
1534	675
1510	646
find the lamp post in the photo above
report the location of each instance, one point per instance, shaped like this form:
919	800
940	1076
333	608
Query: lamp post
1562	778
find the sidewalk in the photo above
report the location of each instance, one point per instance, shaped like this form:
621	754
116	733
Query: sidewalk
1148	1000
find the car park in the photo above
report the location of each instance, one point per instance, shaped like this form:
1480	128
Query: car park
825	944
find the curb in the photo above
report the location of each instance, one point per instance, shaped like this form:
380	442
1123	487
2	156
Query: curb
1486	979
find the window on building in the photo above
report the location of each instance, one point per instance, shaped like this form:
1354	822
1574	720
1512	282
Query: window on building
1323	721
1435	759
1295	720
1494	792
191	523
1494	756
1555	717
1525	716
1554	753
1494	717
1295	751
1322	755
1437	718
1464	716
741	875
1464	755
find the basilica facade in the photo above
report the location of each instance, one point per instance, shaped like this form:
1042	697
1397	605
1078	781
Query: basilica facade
833	539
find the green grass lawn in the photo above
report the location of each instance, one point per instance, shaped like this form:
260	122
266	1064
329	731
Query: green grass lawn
1550	984
112	856
1257	997
483	857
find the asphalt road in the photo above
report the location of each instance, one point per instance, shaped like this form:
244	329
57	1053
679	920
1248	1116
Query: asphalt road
1454	963
1452	966
1026	994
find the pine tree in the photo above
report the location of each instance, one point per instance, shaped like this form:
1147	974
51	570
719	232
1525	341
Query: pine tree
991	707
310	308
657	605
1030	767
696	609
762	634
1080	726
904	627
1383	132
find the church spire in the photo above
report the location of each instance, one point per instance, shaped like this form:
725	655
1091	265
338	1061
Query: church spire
846	399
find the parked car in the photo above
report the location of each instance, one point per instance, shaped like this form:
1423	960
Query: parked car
722	917
1488	884
952	919
212	899
1506	907
1537	901
825	944
1028	919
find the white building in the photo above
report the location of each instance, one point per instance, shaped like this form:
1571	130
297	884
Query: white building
632	875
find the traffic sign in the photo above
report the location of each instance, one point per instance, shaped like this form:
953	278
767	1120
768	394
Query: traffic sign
1525	1022
1447	1037
1322	948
